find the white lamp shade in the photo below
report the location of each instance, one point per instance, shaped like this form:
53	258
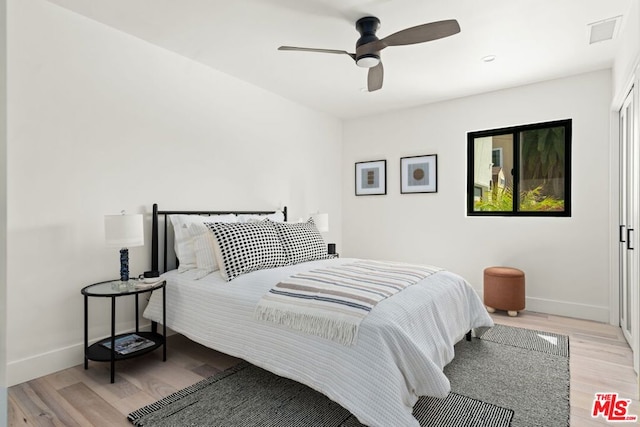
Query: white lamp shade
321	220
124	231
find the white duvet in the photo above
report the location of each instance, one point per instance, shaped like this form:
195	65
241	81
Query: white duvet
400	352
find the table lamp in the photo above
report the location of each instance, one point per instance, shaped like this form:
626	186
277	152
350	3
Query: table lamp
321	220
124	231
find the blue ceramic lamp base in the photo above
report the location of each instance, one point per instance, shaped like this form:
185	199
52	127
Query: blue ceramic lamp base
124	264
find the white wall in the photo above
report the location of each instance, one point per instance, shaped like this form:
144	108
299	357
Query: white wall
566	260
101	121
3	214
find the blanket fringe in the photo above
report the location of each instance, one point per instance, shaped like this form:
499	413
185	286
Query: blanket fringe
334	329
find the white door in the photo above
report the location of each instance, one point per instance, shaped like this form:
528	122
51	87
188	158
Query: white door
628	232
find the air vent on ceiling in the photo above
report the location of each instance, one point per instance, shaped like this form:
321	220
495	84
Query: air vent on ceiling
604	30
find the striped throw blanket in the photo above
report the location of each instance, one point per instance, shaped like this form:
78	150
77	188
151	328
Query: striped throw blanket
331	302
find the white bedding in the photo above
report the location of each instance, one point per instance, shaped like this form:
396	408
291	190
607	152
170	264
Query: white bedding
402	345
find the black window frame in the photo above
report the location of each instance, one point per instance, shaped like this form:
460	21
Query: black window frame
515	132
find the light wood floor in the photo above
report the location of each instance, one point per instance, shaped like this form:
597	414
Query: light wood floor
600	361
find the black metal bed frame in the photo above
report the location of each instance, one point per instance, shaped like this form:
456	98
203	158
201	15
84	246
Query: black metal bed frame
155	249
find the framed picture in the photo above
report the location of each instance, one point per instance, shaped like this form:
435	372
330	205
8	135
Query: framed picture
419	174
371	178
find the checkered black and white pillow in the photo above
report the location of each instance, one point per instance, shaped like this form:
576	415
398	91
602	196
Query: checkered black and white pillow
247	247
302	241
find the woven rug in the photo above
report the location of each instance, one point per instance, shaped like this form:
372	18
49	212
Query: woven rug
508	377
546	342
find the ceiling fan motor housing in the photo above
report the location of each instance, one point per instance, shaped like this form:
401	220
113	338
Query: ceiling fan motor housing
367	28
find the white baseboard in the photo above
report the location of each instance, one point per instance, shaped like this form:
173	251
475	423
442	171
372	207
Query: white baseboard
568	309
26	369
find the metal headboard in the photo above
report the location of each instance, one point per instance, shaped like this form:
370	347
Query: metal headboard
155	230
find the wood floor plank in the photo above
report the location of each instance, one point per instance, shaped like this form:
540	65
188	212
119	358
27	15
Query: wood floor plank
97	378
134	402
600	361
603	353
138	370
16	416
216	359
98	412
32	407
580	420
60	409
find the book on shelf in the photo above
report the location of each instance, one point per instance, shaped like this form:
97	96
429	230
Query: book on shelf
129	343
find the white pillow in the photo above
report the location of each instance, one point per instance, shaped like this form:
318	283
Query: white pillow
204	246
183	238
277	216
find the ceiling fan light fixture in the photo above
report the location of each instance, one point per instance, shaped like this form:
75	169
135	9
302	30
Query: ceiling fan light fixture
368	61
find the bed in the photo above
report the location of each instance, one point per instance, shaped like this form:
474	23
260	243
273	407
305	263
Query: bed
402	345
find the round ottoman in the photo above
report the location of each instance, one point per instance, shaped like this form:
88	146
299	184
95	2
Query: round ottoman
504	289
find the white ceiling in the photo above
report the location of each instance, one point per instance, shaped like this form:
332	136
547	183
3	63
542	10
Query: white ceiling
533	40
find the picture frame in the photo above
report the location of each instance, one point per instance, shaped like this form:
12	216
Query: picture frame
371	178
419	174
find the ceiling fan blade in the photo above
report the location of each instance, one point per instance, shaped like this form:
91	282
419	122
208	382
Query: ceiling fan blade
419	34
375	77
423	33
310	49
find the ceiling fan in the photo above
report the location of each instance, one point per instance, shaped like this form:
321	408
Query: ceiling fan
368	46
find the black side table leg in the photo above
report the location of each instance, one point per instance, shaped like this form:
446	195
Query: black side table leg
113	339
164	322
86	333
137	322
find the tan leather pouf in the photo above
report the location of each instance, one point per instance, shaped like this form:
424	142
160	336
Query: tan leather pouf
504	289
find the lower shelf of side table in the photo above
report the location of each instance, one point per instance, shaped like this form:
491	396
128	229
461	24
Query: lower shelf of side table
99	353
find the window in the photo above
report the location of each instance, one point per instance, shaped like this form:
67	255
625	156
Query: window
496	157
520	171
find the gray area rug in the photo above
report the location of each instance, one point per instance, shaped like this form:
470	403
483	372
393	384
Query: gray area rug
520	372
508	377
